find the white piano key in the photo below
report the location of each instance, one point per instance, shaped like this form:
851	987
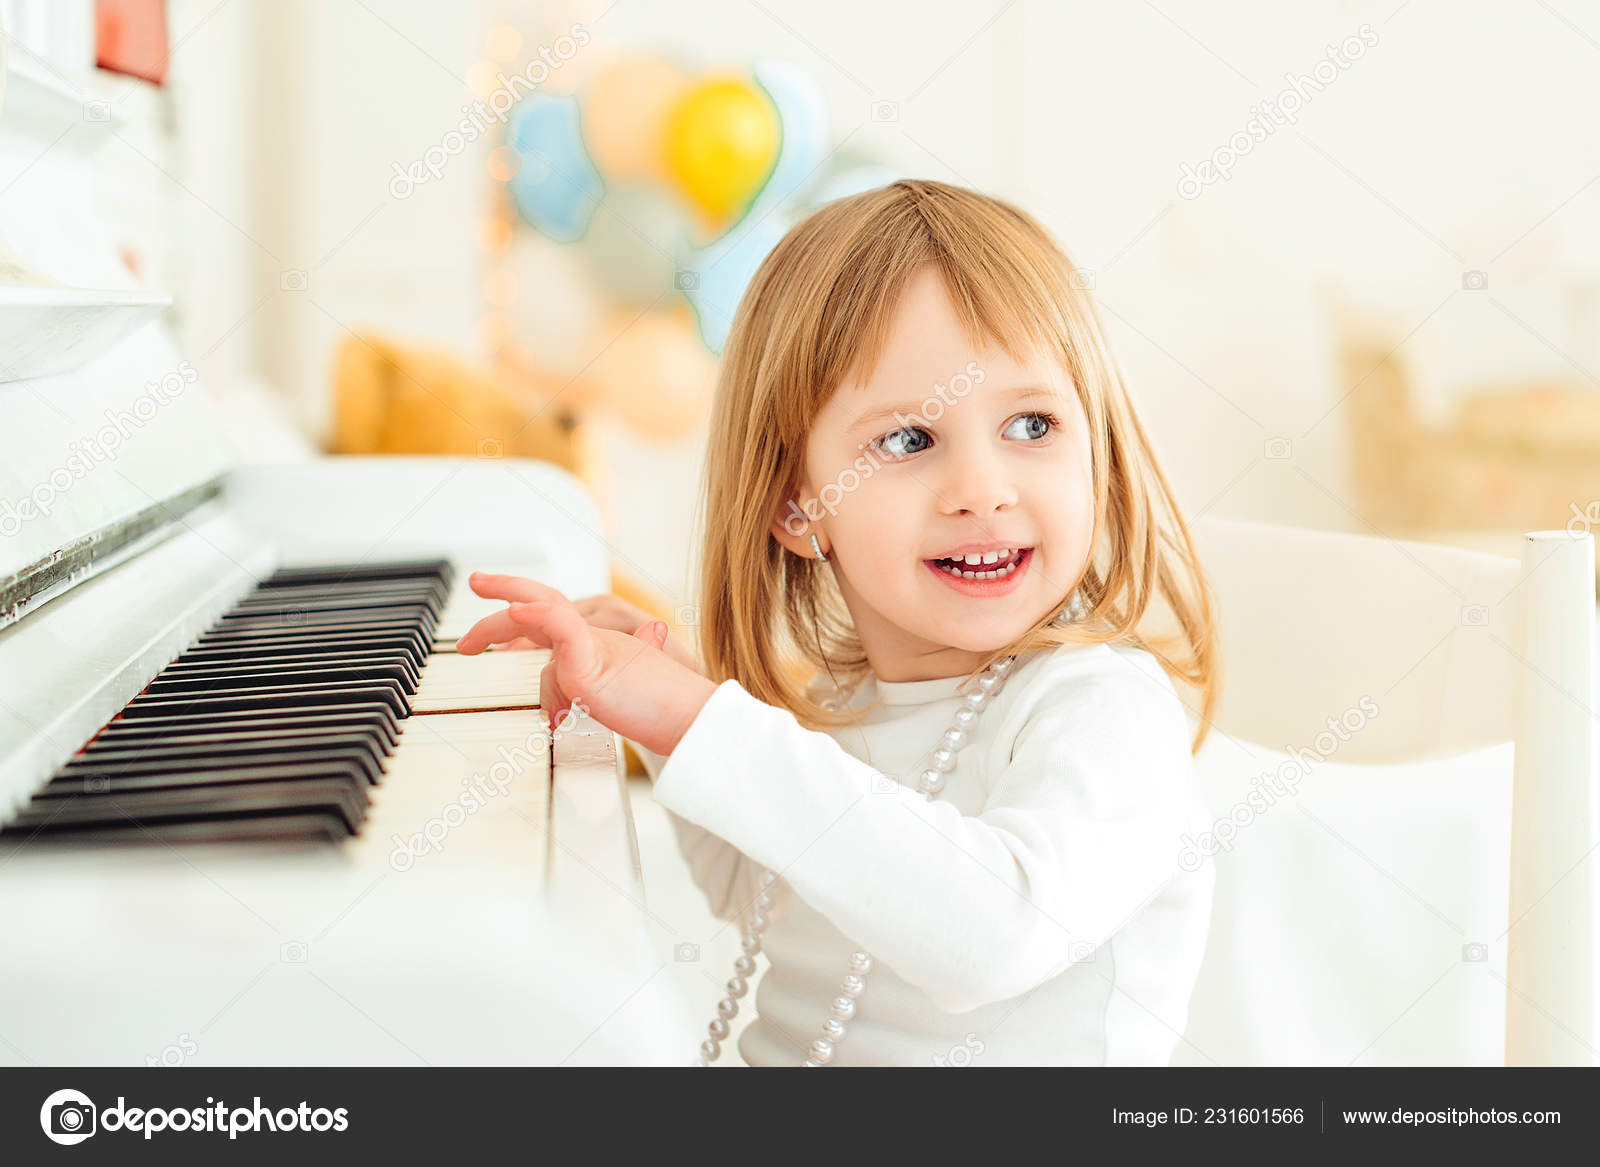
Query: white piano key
491	680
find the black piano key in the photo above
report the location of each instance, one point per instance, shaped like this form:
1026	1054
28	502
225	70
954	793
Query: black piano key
341	572
378	626
409	615
219	745
324	613
358	648
100	780
284	662
154	809
270	825
377	718
174	682
224	636
411	641
327	621
282	698
317	600
411	586
162	756
336	573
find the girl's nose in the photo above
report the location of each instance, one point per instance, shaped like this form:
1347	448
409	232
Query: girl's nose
977	484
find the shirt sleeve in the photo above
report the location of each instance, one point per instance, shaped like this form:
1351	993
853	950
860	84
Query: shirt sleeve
728	879
1081	829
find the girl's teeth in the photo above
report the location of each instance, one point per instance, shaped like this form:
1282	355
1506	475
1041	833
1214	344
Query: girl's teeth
999	573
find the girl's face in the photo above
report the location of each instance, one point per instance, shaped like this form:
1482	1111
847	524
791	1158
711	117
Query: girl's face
951	490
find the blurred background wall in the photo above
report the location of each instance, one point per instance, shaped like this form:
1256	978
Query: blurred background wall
1385	315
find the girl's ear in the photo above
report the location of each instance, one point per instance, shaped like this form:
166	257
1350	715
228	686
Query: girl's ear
793	526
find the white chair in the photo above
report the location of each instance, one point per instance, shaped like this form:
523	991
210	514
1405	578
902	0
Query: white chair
1457	651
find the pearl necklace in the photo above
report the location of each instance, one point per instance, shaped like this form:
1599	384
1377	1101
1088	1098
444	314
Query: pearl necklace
843	1009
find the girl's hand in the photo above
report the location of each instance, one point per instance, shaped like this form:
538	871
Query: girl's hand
626	682
615	613
603	611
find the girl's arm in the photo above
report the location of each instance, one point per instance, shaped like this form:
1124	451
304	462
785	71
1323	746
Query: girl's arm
719	869
1082	829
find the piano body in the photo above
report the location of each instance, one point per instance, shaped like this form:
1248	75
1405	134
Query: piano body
254	810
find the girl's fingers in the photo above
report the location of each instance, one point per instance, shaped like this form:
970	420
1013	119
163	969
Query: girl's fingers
511	587
551	699
608	611
496	629
572	643
653	633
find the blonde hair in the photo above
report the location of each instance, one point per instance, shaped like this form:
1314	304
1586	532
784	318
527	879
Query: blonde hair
819	309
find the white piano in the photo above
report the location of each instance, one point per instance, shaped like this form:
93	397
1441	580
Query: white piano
423	927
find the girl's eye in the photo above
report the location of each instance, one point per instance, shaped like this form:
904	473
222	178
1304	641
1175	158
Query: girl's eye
1033	426
902	443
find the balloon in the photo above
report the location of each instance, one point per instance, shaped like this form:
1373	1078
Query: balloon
654	375
625	114
722	141
557	187
803	114
719	274
634	241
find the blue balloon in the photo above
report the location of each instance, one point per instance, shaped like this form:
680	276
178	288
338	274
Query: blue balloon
719	274
557	187
803	115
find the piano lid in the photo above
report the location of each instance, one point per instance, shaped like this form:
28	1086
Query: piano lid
107	434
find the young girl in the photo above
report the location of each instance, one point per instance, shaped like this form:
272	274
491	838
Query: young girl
930	753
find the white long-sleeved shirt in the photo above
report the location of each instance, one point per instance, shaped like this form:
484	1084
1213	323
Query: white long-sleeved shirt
1035	913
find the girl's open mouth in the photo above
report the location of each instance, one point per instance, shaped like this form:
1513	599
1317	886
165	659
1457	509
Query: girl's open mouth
994	573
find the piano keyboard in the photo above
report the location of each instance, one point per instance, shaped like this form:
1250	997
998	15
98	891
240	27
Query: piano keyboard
277	722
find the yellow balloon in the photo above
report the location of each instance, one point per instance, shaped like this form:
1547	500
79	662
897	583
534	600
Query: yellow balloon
624	115
722	142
